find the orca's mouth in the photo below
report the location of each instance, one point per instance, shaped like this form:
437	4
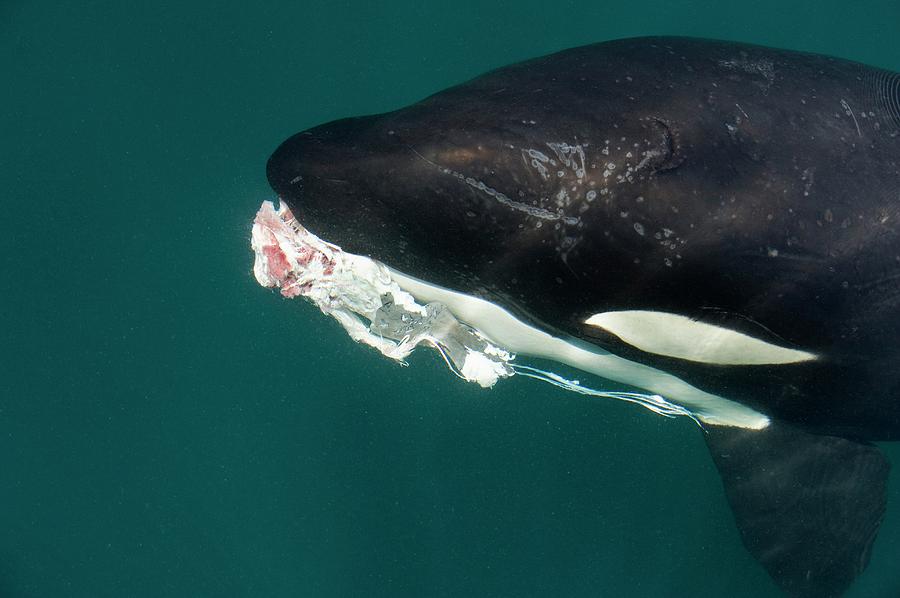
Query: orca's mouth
395	313
362	296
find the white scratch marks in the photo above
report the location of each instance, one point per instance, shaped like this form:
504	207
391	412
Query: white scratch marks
849	112
499	196
570	155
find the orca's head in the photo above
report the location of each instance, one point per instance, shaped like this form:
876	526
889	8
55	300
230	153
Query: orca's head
603	195
376	188
441	203
481	199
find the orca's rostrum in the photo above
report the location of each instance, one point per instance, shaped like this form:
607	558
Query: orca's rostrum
715	223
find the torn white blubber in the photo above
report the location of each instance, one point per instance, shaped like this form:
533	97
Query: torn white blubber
359	293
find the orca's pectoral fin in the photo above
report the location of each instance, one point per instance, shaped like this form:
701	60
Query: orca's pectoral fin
807	507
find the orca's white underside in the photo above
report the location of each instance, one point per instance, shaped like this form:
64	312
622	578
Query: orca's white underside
507	331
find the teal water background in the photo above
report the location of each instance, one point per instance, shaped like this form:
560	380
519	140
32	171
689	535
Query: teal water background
169	428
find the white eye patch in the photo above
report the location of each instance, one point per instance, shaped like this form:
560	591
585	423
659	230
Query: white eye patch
681	337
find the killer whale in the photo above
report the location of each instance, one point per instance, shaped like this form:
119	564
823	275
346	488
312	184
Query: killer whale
723	215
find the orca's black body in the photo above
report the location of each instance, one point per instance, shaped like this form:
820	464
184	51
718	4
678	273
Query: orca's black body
754	189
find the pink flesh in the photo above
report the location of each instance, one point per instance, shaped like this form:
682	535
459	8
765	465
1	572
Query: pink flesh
286	252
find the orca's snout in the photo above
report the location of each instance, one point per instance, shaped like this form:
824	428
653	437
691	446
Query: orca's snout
286	167
322	152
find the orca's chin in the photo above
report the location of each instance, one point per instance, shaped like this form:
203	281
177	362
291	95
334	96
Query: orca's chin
394	313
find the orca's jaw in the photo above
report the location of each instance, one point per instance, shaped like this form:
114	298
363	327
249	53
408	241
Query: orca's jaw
478	338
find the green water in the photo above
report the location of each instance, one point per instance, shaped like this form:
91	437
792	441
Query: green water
169	428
